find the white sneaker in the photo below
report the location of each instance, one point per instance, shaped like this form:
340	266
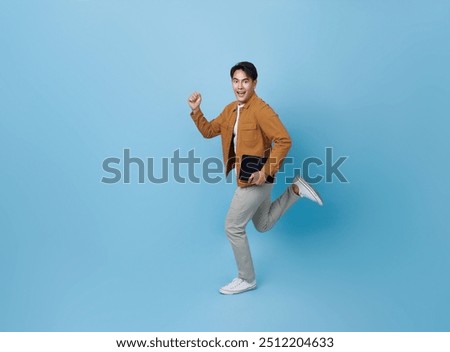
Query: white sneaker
237	286
307	191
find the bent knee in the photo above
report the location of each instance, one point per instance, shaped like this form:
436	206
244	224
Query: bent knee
261	227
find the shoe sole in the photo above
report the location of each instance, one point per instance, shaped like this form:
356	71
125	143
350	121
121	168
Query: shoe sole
315	194
224	292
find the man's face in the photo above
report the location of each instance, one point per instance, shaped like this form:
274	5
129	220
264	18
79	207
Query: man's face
243	86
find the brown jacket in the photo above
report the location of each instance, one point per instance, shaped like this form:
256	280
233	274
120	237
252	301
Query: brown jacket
260	133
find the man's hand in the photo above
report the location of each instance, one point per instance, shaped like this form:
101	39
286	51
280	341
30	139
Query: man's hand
257	178
194	100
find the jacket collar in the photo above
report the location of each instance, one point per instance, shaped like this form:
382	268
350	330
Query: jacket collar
249	103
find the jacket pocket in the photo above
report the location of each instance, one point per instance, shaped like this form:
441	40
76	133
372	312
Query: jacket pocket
248	132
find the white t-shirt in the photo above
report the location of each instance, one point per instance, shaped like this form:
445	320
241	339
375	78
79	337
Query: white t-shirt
236	126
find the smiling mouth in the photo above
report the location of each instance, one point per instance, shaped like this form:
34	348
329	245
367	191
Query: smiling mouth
240	94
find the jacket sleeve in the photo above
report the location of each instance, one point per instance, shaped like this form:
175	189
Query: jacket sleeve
207	128
275	131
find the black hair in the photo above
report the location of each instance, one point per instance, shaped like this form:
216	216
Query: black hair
247	67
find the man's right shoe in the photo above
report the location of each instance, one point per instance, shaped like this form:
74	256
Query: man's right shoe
237	286
307	191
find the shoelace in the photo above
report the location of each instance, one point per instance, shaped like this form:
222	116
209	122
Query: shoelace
236	282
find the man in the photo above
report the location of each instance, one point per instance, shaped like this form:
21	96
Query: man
254	142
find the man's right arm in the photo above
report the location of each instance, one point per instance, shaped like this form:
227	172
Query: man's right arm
207	128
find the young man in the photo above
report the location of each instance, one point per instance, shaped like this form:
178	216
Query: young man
254	142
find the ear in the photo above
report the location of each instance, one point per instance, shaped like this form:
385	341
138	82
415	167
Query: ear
254	83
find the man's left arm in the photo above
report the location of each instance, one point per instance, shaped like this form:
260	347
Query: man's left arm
274	129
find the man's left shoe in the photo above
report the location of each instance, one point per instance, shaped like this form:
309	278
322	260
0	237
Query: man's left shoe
237	286
307	191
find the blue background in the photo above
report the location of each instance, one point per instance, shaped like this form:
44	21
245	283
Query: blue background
80	81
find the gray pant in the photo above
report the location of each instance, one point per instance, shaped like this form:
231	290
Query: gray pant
253	203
